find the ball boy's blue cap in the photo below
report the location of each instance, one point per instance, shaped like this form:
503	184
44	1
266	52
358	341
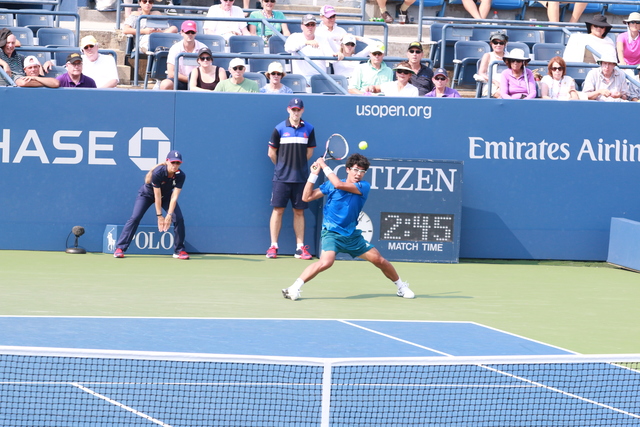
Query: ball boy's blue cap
296	103
174	156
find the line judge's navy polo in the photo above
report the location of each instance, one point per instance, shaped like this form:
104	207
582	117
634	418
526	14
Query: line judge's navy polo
291	144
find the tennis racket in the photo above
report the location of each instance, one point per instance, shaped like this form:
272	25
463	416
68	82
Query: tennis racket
337	147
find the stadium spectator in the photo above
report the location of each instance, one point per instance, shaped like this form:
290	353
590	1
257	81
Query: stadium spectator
11	61
34	75
237	82
190	45
553	10
100	67
596	38
267	12
226	29
206	76
557	85
401	86
347	50
401	9
345	199
497	41
274	74
517	81
290	148
74	77
329	30
308	43
441	90
373	72
147	26
476	12
628	43
606	83
422	75
162	187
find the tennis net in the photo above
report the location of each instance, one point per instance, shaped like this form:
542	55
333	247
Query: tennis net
75	387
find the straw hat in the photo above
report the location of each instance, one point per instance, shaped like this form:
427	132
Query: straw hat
275	66
517	54
634	16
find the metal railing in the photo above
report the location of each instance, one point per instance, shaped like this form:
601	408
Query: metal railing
55	13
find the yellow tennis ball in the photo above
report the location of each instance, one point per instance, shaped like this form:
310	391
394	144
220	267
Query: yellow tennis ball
363	145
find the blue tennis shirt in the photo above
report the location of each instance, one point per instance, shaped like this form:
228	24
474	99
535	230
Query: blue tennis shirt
342	208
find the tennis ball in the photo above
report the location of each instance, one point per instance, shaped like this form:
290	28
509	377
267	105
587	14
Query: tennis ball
363	145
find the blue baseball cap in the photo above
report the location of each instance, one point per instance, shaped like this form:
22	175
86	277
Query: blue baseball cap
174	156
440	72
296	103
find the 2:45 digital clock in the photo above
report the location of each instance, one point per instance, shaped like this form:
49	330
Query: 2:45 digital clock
416	227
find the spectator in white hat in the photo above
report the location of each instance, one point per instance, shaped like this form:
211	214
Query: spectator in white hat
274	74
237	82
347	50
100	67
329	29
606	83
34	75
517	81
628	43
401	86
372	73
310	44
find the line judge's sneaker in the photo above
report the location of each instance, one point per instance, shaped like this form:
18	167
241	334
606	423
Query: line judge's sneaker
272	252
119	253
291	293
303	253
405	292
181	255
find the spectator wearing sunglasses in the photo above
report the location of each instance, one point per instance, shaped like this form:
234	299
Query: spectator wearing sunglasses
237	82
348	50
557	85
267	12
189	44
328	28
596	38
226	29
370	74
206	77
628	43
100	67
274	74
400	86
441	90
498	41
422	75
146	26
517	81
310	44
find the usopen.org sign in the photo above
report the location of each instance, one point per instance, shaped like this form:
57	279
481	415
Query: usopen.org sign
147	240
72	147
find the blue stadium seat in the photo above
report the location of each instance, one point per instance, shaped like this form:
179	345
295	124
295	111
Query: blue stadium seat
157	40
356	30
466	56
262	65
256	77
25	35
546	51
40	55
222	62
319	84
578	72
518	45
214	42
246	44
530	37
482	33
56	37
56	71
276	45
622	9
520	5
60	55
297	82
449	35
592	8
441	4
33	21
6	19
158	69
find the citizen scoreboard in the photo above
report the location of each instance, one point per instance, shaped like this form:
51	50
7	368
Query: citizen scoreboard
413	212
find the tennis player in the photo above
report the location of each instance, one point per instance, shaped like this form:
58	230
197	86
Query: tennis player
162	187
345	200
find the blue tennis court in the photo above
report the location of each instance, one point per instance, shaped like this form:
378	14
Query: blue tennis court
301	372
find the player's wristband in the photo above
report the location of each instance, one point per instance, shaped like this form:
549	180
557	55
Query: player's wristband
327	170
312	178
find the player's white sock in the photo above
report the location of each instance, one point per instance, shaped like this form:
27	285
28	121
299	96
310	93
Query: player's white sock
274	244
297	284
399	282
299	245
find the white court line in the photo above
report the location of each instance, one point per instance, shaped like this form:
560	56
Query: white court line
125	407
394	338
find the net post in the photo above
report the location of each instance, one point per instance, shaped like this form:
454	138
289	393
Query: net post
326	394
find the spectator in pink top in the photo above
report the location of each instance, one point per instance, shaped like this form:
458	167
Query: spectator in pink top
517	82
628	43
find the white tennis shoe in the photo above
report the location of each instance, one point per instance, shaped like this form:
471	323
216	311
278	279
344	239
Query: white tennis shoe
405	292
291	293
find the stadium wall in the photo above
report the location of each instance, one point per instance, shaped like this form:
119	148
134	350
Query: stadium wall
542	179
